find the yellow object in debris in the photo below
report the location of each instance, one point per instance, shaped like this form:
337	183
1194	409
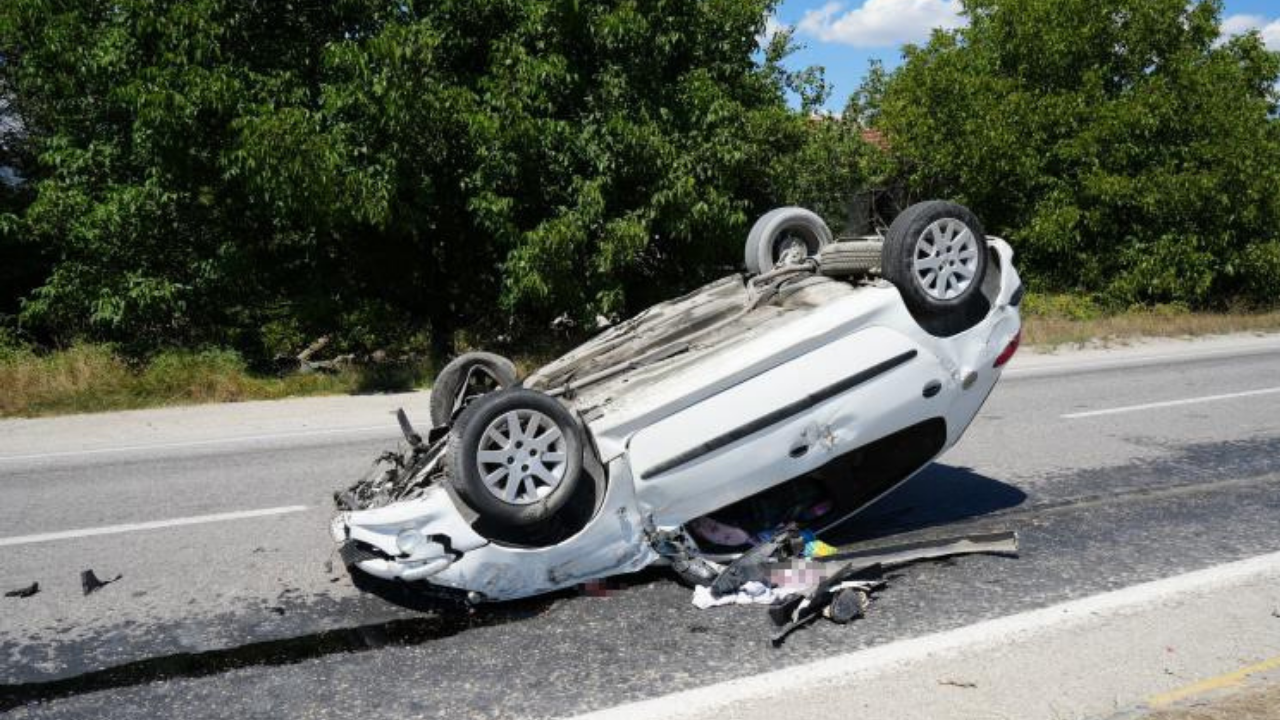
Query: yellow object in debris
817	549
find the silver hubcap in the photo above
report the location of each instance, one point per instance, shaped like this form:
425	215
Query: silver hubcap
946	258
521	457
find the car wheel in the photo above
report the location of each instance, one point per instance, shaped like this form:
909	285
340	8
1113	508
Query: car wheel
515	456
782	232
466	376
936	254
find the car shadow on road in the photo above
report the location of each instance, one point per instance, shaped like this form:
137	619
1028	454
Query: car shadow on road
939	495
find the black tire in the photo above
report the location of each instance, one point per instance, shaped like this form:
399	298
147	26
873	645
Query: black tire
906	260
462	370
850	257
464	464
777	227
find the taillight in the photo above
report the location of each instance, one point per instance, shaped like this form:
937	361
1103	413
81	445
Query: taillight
1007	353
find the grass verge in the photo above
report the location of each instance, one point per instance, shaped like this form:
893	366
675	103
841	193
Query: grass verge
1051	321
91	378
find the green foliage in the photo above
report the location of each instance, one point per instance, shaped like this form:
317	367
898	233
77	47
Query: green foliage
219	172
1069	306
1119	145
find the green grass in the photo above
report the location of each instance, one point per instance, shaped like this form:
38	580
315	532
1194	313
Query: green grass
91	378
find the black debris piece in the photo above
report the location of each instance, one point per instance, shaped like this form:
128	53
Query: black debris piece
753	564
815	604
24	592
90	582
847	605
411	436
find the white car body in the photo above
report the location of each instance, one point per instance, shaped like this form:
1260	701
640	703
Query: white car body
778	393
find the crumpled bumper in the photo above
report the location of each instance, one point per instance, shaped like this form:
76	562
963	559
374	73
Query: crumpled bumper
368	538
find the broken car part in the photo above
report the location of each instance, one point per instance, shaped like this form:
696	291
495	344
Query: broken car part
90	582
997	543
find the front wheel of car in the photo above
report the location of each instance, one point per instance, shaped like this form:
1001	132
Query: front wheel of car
515	456
936	254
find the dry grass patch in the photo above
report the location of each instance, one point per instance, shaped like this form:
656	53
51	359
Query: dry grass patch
91	378
1050	331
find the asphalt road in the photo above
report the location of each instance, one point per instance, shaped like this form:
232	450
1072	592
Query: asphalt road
1114	473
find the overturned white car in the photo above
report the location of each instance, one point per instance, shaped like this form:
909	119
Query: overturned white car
850	364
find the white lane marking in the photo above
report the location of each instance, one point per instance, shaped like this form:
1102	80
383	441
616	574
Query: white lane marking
891	657
197	443
1171	403
153	525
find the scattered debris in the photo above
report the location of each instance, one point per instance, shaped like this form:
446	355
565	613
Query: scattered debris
751	593
90	582
801	609
837	586
24	592
398	475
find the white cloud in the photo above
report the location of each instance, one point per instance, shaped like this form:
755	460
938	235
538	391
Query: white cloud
771	27
1240	24
881	23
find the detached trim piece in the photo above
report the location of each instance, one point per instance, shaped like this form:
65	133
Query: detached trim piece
781	414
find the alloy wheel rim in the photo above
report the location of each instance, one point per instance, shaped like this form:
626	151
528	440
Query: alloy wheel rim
521	457
945	260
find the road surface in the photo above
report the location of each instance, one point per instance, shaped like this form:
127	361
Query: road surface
1118	468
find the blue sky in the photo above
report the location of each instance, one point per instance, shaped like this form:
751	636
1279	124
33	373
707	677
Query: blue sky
844	35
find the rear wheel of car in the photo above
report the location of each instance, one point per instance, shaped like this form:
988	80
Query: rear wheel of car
784	233
515	456
936	254
466	377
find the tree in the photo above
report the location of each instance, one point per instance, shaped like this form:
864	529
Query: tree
1119	144
215	171
22	267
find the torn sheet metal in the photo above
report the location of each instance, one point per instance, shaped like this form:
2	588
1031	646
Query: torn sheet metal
997	543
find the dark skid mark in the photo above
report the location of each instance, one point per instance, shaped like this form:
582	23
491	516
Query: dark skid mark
287	651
